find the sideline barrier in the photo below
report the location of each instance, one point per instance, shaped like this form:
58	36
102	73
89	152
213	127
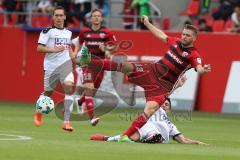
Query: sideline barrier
22	67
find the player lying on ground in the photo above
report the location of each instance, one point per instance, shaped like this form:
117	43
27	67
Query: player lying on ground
158	79
158	129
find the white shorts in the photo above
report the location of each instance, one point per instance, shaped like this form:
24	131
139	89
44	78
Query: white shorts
147	130
62	74
79	76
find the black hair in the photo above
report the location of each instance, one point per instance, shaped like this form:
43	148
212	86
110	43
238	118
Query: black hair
170	104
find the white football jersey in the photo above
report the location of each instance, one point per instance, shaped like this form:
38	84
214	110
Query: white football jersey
159	123
52	37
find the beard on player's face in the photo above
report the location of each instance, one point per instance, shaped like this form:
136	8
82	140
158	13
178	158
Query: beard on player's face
186	43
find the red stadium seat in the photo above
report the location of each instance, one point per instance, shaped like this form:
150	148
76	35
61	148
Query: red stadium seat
76	21
1	19
228	24
218	26
13	20
192	9
209	19
166	23
44	21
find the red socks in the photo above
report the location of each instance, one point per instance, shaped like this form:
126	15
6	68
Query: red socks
81	100
90	106
137	124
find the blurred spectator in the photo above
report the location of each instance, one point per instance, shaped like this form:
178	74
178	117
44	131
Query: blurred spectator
203	26
81	8
205	6
103	5
44	6
235	18
22	8
1	5
128	11
9	6
225	10
144	9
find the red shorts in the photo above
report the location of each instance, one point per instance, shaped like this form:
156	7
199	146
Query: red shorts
93	76
155	88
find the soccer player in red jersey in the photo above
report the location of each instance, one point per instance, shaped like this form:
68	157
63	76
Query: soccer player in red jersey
158	79
99	40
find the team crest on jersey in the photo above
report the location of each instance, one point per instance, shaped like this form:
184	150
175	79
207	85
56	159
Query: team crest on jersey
199	60
185	54
102	35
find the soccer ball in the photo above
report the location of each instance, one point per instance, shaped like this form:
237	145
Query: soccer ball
45	104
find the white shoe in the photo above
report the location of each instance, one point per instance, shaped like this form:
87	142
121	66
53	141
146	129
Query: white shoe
94	121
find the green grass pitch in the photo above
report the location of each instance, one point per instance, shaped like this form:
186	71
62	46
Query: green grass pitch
50	142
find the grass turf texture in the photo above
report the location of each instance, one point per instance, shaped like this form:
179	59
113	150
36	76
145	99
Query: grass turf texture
51	142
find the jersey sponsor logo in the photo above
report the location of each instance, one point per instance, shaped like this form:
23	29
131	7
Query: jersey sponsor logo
102	35
62	42
199	60
95	43
175	58
185	54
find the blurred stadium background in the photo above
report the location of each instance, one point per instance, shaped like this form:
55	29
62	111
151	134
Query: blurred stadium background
218	92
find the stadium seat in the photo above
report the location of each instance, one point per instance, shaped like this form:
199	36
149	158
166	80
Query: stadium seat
166	23
209	19
76	21
228	25
35	21
1	19
13	20
218	26
44	21
192	9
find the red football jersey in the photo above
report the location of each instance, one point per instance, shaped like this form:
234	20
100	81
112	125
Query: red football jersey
177	60
93	39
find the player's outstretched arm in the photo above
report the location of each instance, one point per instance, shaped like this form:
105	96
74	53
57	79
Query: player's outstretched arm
180	82
204	69
43	49
183	140
155	31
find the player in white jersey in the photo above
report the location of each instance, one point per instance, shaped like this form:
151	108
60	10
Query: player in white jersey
158	129
55	42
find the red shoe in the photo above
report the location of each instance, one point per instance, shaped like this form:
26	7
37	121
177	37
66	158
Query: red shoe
98	137
67	127
38	119
95	121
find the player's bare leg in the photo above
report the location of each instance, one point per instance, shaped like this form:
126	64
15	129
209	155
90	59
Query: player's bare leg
38	116
68	105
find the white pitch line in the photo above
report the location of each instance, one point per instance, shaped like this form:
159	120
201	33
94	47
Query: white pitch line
17	137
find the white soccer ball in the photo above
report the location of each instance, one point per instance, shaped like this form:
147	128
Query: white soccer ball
45	104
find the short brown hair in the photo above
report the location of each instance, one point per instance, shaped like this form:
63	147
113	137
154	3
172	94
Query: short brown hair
191	27
96	10
58	8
